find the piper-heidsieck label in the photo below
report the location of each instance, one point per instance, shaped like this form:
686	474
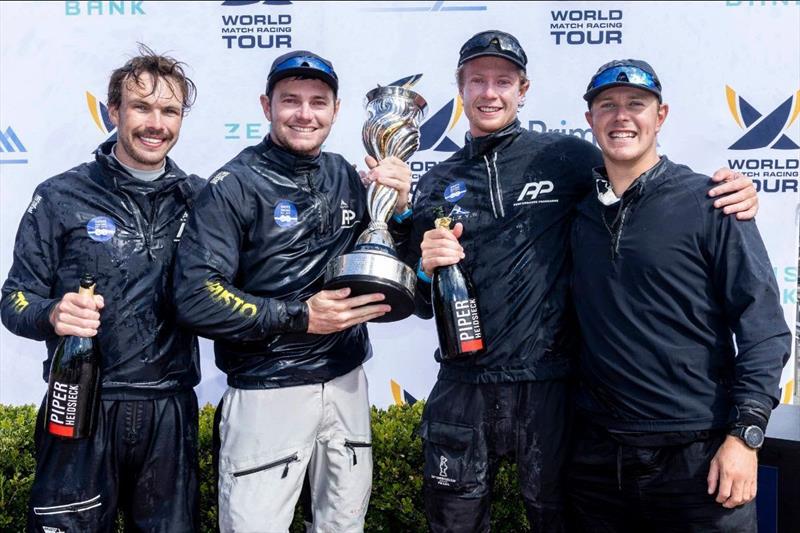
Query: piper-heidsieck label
63	407
468	325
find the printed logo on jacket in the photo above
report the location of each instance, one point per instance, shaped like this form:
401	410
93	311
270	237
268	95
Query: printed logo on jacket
285	214
101	229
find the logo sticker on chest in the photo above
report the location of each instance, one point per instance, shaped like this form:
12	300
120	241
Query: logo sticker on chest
285	214
348	215
455	192
101	229
535	192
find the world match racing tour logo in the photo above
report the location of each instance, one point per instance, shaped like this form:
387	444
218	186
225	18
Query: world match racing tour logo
99	113
766	131
256	30
11	148
435	133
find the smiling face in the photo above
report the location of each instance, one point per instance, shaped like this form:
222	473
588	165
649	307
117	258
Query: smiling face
301	113
491	89
148	122
625	122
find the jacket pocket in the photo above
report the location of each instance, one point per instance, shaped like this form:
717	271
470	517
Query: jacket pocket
449	456
353	446
76	507
284	463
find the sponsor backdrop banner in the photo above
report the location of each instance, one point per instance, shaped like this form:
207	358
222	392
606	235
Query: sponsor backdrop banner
731	72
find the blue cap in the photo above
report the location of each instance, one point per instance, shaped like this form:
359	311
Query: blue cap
302	63
623	72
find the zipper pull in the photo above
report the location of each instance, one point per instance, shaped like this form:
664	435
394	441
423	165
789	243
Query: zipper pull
285	470
352	449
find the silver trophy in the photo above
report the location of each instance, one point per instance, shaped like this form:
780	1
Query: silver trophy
391	129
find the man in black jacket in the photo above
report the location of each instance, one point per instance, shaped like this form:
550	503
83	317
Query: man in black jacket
673	412
119	218
249	274
513	195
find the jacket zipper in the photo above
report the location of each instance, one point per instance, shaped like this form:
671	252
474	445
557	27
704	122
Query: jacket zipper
495	192
353	445
286	460
618	234
323	204
137	215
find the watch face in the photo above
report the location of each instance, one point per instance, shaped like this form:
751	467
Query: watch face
754	437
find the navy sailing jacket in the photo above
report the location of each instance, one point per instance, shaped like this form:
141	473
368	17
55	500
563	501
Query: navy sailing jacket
255	249
97	219
515	192
662	281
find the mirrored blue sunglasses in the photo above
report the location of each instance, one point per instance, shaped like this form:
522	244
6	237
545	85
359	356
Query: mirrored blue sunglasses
626	74
307	62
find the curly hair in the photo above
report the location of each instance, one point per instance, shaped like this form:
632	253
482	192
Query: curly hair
159	67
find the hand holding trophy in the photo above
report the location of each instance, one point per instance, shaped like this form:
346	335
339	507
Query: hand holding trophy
391	129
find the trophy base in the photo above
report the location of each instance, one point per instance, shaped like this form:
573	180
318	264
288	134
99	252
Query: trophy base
367	272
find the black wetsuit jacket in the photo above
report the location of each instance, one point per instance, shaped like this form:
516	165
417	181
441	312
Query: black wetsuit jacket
515	192
97	219
264	230
662	280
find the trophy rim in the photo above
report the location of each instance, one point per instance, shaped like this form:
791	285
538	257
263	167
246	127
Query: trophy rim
392	90
389	275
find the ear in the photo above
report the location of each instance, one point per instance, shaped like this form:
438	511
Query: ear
336	105
113	114
264	99
523	88
663	111
589	118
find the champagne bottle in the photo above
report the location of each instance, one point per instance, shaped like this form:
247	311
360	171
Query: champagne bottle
455	307
72	392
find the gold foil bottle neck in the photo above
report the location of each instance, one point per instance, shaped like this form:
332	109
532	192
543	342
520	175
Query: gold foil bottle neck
443	223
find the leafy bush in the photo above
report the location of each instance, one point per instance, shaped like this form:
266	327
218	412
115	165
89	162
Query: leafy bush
16	464
395	505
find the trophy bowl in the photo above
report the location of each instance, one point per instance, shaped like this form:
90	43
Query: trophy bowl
394	115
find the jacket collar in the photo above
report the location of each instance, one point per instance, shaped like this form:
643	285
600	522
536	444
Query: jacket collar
288	161
120	178
647	180
479	146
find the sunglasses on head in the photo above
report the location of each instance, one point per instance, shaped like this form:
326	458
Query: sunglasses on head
304	61
627	74
503	42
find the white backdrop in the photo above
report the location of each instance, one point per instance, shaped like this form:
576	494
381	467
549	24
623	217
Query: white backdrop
731	72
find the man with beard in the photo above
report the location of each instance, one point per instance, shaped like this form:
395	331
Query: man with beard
517	193
118	218
249	274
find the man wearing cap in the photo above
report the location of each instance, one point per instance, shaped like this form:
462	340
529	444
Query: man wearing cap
249	275
517	195
671	416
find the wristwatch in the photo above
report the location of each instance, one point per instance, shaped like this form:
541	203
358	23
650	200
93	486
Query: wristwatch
752	436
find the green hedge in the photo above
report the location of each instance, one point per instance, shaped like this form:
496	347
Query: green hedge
395	504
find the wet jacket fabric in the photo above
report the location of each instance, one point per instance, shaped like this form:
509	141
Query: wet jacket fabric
257	247
672	278
97	219
515	192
